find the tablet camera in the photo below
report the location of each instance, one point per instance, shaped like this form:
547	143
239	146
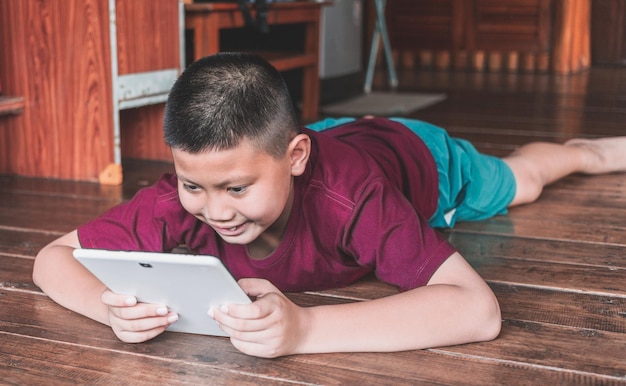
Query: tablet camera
146	265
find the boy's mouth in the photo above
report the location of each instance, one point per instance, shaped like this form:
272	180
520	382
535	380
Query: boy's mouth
234	230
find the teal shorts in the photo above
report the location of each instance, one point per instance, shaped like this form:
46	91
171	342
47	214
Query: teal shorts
472	186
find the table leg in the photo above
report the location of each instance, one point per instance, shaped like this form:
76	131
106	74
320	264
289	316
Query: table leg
310	74
380	32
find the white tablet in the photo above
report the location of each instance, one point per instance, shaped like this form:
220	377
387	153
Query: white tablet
187	284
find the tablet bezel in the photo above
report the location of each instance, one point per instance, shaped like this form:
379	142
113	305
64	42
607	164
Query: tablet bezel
174	280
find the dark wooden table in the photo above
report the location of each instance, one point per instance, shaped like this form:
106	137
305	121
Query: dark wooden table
206	20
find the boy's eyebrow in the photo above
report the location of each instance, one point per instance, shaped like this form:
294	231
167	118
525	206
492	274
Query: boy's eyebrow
222	184
185	180
233	181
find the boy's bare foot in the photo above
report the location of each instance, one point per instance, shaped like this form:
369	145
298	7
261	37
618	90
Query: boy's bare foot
602	155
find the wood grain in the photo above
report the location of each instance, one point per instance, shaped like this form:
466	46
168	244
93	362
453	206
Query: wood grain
57	56
67	115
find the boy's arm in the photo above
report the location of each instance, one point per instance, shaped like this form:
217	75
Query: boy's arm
70	284
66	281
455	307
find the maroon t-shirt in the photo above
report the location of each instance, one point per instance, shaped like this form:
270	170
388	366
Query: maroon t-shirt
362	205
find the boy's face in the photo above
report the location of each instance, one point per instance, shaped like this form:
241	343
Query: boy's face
244	194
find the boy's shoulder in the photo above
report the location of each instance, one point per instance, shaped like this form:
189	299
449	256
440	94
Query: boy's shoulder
370	146
384	128
341	167
377	138
353	158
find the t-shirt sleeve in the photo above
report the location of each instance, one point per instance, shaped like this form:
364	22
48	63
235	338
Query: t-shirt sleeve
387	235
148	222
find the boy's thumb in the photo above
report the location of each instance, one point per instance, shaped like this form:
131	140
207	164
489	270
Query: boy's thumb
256	287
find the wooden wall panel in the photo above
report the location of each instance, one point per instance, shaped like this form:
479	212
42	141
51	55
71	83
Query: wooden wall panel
55	54
13	82
147	35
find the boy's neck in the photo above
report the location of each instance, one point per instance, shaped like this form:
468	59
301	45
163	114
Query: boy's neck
258	249
268	241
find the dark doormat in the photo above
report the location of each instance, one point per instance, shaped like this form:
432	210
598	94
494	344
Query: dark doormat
382	104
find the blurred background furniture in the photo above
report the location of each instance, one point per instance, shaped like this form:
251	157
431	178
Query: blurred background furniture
380	36
492	35
206	22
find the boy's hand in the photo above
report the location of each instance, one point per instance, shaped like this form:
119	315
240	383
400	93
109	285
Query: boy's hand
135	322
269	327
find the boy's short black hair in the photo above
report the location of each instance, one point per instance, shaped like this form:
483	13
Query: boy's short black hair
223	98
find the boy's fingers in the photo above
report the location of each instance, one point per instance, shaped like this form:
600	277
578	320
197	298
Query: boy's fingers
130	336
127	307
144	324
260	308
141	310
110	298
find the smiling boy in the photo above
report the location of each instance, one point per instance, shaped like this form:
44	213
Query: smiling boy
287	208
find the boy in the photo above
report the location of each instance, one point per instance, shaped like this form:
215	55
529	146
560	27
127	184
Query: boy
291	209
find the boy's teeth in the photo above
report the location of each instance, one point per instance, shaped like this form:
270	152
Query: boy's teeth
233	228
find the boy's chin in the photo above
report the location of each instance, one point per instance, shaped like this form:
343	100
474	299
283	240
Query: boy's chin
237	240
244	238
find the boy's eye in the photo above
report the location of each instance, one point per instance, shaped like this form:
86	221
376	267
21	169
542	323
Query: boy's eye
191	188
238	189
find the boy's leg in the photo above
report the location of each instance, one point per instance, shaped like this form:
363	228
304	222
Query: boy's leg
536	165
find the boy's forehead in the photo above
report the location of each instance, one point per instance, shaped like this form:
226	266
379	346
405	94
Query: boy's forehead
242	159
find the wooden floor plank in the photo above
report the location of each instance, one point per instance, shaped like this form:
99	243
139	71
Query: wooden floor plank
23	242
476	248
43	187
596	213
26	361
16	273
564	123
433	367
572	309
544	230
208	354
580	349
54	214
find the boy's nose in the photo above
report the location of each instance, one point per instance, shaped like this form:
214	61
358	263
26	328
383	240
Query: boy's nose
216	210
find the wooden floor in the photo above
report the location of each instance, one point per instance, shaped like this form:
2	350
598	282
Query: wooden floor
558	267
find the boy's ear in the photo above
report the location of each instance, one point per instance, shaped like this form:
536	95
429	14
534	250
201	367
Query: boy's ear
298	152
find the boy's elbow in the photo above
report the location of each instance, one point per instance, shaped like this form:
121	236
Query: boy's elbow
37	272
45	263
491	321
53	258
